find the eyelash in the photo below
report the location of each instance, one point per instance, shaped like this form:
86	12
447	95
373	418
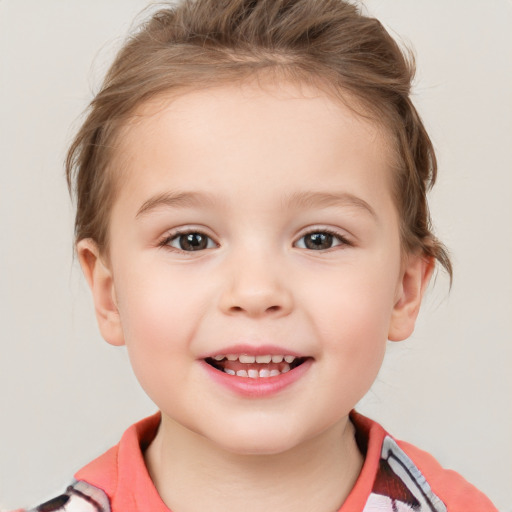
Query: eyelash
165	242
343	241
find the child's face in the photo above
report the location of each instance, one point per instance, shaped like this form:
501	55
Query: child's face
285	196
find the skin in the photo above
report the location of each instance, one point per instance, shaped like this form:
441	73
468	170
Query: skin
253	150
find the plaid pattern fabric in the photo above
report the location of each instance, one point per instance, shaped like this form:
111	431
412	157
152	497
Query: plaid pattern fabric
399	485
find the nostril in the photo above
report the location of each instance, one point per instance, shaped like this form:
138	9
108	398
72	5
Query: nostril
255	302
270	309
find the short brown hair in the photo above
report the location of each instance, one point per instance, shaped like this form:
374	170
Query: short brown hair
200	43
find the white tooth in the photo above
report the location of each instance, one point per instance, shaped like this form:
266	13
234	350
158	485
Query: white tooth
274	373
263	359
219	357
241	373
229	371
286	368
253	374
289	359
246	359
264	373
277	359
232	357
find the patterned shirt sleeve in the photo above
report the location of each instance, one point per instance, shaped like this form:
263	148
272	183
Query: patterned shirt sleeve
79	497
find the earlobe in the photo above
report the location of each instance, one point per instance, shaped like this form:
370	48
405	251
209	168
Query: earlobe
100	280
414	281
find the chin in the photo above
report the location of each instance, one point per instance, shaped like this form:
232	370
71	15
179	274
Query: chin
261	447
256	441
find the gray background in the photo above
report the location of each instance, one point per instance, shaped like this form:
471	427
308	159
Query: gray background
66	396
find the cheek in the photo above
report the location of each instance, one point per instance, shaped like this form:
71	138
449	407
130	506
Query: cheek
159	313
355	336
352	316
353	301
158	326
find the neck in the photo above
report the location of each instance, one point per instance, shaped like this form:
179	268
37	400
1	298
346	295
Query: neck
192	474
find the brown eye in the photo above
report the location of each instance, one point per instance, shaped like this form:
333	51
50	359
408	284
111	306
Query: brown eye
191	242
320	241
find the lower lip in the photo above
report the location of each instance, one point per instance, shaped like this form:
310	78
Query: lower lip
259	387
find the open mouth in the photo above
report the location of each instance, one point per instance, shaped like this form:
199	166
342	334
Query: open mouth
255	367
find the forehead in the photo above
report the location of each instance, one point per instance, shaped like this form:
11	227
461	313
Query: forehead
255	131
233	102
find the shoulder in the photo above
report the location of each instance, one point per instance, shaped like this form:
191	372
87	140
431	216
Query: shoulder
90	489
456	492
398	472
79	497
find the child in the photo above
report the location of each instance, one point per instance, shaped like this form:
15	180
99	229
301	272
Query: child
252	221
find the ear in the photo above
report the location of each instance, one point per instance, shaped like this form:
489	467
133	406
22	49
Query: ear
414	280
100	280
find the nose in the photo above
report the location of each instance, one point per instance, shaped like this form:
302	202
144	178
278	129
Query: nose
255	286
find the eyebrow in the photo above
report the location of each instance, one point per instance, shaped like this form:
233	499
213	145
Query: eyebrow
301	200
305	200
174	200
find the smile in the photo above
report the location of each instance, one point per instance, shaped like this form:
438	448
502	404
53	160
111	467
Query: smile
255	367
